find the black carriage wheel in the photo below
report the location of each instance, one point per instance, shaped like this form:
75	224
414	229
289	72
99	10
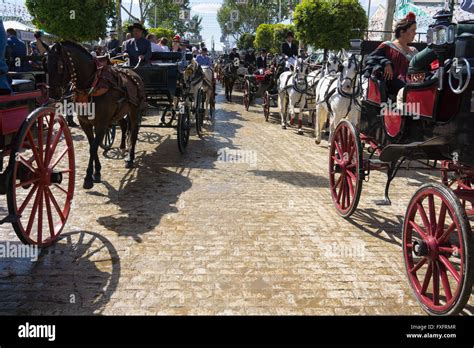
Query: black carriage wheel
266	105
40	180
345	163
184	127
109	138
437	248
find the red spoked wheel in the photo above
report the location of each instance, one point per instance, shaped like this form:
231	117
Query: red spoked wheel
345	163
266	105
246	94
437	247
41	177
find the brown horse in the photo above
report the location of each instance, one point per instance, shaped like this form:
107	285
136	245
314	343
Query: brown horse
110	92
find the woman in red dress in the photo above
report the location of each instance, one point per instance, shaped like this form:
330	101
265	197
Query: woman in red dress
398	54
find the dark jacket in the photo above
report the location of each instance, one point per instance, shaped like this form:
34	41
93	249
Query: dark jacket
250	58
290	51
261	62
233	55
17	52
136	48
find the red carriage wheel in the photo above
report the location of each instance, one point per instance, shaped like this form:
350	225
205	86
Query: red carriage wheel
437	247
266	105
247	94
41	177
345	162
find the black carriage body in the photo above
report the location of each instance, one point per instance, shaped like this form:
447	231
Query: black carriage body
161	80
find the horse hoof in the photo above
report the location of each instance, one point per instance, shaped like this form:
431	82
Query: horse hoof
128	164
317	141
88	184
300	132
283	126
96	178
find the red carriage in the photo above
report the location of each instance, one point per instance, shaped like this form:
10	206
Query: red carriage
38	180
437	130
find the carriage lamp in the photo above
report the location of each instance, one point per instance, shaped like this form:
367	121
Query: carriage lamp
441	35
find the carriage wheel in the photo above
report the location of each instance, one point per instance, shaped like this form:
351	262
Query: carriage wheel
345	162
247	94
184	127
109	138
437	249
199	112
266	105
41	177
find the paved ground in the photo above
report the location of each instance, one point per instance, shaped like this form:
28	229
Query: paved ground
202	234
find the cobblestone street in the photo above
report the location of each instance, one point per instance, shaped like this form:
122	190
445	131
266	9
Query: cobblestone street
203	233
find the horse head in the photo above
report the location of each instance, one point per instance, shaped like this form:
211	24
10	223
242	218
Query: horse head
348	76
69	62
333	65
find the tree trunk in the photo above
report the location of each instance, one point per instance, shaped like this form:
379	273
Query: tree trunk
388	27
118	25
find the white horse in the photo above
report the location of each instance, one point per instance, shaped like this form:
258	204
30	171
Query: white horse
208	91
292	88
336	97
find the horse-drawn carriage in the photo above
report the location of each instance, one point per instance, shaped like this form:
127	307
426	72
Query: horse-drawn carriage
38	180
434	127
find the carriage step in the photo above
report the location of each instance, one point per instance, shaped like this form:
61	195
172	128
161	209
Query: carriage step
378	162
426	150
9	219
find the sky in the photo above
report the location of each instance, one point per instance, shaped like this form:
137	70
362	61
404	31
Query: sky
208	10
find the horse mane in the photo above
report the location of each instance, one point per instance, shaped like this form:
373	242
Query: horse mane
76	45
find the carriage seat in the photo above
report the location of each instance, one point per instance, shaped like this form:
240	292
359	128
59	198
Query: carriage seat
23	85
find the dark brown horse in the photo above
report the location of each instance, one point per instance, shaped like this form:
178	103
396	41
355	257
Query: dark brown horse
111	93
230	76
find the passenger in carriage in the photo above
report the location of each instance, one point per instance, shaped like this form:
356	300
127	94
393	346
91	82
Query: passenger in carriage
395	56
262	59
4	84
137	47
17	52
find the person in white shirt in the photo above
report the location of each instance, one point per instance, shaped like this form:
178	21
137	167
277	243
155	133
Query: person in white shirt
163	44
154	46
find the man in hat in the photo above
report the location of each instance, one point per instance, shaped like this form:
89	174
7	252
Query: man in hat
250	57
234	54
4	84
138	48
262	59
290	49
113	44
203	59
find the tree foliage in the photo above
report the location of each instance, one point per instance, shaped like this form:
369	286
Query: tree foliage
245	41
162	32
255	13
167	15
77	20
272	36
330	24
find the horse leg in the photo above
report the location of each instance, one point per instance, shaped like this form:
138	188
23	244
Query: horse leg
300	115
89	131
282	103
321	117
130	158
123	139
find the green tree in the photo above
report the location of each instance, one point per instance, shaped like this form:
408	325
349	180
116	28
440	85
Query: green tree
330	24
167	15
162	32
264	36
245	41
78	20
253	14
